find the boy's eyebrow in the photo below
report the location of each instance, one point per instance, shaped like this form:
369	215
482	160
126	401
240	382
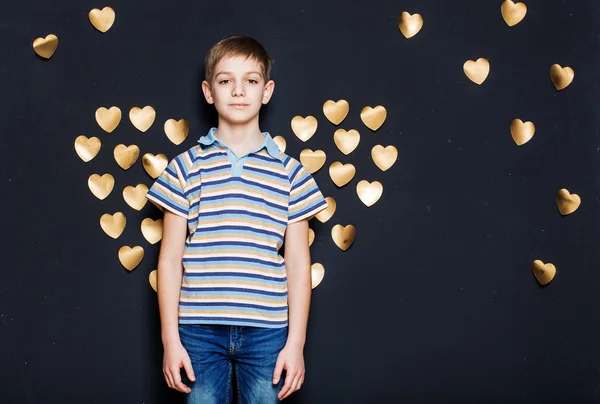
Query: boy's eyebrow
252	72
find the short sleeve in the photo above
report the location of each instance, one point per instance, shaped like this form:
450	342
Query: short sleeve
168	190
306	199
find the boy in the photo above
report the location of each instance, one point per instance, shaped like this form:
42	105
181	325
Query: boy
238	196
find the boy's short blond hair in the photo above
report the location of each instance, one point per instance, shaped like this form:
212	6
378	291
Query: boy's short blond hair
237	45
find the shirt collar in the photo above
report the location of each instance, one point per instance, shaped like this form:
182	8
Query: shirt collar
269	143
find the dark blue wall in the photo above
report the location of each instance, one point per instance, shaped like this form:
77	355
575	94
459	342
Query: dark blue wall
434	303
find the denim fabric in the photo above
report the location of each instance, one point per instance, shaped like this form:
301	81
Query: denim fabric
216	351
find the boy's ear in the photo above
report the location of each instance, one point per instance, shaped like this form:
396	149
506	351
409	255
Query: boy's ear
207	92
268	91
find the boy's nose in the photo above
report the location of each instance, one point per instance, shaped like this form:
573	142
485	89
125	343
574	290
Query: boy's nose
238	92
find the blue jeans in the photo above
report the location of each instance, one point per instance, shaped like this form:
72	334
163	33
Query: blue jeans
218	350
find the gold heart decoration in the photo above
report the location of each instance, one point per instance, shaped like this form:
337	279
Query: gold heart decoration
280	142
343	236
103	19
154	164
346	141
341	174
311	236
513	13
131	257
567	203
477	71
152	230
126	156
153	279
373	118
136	197
561	76
113	225
410	25
521	132
45	47
177	131
108	119
317	273
142	119
304	128
369	193
384	157
312	160
328	212
336	112
86	148
544	273
101	187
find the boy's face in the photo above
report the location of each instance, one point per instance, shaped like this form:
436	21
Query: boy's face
238	89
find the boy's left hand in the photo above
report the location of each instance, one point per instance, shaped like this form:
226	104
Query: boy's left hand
291	359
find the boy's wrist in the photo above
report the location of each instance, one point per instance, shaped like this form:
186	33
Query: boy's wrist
295	342
170	339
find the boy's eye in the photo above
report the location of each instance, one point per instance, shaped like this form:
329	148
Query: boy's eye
224	81
253	81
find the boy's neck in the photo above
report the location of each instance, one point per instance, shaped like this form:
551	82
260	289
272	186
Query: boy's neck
240	137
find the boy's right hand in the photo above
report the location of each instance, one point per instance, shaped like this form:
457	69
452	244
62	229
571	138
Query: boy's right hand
176	357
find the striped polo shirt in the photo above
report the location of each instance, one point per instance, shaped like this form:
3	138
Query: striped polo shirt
237	211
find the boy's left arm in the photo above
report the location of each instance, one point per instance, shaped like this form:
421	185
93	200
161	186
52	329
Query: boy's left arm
297	263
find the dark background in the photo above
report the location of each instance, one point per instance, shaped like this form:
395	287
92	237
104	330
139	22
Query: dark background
434	303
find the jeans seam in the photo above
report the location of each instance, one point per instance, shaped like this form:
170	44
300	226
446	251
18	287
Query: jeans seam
228	385
237	381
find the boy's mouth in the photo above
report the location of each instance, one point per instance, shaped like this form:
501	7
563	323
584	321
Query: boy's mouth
239	106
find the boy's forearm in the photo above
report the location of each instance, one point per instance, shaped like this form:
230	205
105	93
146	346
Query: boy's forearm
299	293
169	289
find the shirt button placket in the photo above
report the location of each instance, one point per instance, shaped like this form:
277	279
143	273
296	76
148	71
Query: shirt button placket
239	165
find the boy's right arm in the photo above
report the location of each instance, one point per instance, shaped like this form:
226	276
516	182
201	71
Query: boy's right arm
170	275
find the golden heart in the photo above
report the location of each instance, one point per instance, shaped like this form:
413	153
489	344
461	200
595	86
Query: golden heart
126	156
346	141
342	236
341	174
108	119
177	131
131	257
142	119
336	112
304	128
312	160
477	71
101	187
153	279
521	132
326	213
384	157
317	273
102	20
410	25
373	118
136	197
86	148
561	76
513	13
45	47
280	142
369	193
544	273
311	236
113	225
152	230
154	164
567	203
